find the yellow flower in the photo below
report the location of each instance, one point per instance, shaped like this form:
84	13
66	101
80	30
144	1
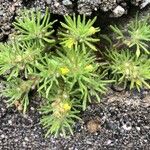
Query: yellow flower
138	82
89	67
70	42
66	107
64	70
92	30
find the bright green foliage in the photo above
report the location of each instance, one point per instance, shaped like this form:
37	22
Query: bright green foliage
68	77
48	75
81	73
18	56
59	114
33	26
78	32
126	67
137	35
76	70
17	91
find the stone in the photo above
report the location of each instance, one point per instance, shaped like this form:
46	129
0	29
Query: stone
118	11
66	2
49	1
145	3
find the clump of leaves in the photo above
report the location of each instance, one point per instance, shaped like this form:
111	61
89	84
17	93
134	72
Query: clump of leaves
17	92
59	114
18	56
83	75
48	74
33	26
136	35
76	70
127	68
67	77
77	31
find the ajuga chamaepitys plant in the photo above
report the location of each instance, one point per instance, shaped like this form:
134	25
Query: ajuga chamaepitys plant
48	73
76	31
67	75
17	91
136	35
67	78
76	70
19	56
82	75
34	26
76	73
127	68
60	113
16	57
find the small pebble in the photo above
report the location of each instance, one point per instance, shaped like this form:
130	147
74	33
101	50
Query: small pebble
118	11
93	126
125	127
67	2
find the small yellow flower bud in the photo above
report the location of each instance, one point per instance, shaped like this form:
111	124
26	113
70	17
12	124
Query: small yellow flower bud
89	67
70	43
64	70
66	107
138	82
92	30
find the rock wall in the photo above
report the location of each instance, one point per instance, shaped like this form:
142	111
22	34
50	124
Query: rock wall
115	8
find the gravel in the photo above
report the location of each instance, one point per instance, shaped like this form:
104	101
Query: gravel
120	121
88	6
9	9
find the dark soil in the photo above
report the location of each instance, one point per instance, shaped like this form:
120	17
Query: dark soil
120	122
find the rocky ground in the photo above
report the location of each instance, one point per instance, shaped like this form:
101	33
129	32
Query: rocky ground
113	8
120	122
